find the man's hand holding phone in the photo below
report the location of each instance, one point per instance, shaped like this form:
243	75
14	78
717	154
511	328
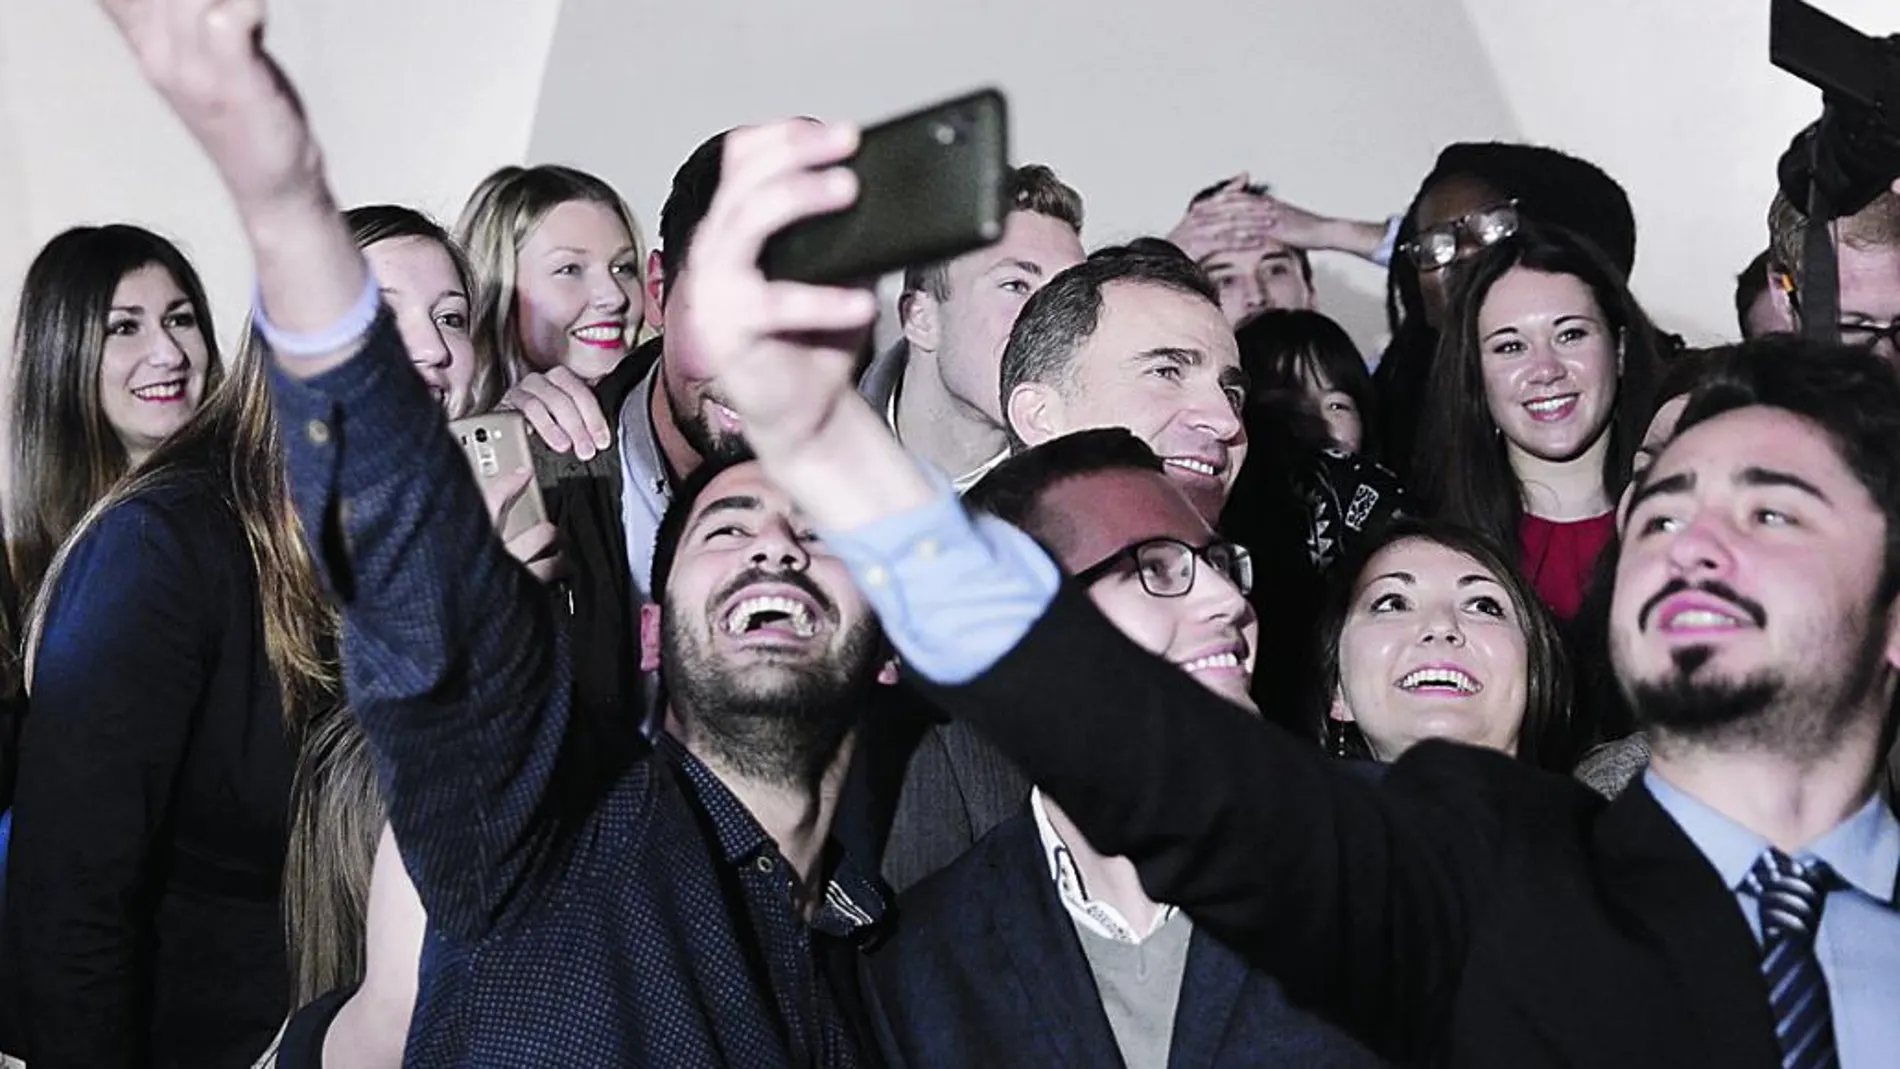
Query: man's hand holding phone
784	352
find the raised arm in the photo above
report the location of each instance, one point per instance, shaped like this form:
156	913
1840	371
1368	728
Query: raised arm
449	648
1356	899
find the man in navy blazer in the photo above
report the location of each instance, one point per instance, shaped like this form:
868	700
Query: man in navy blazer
1034	949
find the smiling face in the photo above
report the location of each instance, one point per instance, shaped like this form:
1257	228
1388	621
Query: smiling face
152	373
429	299
1433	647
1550	364
1209	632
577	284
763	642
1164	365
1743	609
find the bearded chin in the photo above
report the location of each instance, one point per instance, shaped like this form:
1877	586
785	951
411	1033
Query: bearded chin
712	444
779	724
1690	704
1766	711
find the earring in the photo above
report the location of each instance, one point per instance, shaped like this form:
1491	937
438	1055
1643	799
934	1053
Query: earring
1336	738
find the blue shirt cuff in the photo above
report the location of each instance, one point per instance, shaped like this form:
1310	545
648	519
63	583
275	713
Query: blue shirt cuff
955	592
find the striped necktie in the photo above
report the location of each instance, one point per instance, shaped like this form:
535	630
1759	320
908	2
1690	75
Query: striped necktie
1790	894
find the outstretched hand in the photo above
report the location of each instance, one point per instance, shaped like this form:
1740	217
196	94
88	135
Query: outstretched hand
782	352
207	59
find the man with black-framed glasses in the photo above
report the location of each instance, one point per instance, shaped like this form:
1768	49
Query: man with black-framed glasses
1085	968
1867	254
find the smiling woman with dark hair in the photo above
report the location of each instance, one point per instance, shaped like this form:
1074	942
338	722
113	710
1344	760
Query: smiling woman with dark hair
1537	404
113	351
1430	633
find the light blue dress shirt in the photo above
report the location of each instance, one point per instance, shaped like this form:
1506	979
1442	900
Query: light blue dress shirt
1858	944
954	591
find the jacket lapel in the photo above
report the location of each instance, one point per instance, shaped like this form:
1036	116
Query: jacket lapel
1668	891
1046	954
1210	990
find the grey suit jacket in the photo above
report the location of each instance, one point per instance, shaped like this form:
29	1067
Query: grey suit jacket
956	787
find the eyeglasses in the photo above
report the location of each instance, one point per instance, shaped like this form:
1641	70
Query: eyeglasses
1868	335
1437	248
1165	566
1855	335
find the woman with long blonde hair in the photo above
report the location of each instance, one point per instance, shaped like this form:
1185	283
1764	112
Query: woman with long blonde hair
560	271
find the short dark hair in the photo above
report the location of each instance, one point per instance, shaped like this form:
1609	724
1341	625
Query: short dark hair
1849	393
1279	344
1034	188
1544	738
686	205
1465	474
1014	489
679	512
1064	314
1749	286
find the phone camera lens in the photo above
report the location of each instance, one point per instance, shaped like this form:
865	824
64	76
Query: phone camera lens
481	434
945	133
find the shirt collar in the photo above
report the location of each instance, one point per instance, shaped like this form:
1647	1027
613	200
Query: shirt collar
640	444
1863	850
961	483
740	836
1098	917
855	900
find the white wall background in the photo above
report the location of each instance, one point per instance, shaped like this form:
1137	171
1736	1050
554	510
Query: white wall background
1341	104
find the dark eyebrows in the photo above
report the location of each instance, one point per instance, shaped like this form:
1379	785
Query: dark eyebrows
1501	330
1027	267
1174	354
730	503
1478	577
1759	476
1679	483
1404	577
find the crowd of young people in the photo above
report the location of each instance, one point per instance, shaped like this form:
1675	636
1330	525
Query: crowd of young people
1122	669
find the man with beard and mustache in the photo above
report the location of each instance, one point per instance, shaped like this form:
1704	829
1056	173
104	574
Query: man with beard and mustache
1464	909
682	908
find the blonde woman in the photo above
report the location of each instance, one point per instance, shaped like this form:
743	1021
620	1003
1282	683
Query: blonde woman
559	271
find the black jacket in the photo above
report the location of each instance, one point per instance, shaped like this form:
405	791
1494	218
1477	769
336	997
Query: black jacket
1466	910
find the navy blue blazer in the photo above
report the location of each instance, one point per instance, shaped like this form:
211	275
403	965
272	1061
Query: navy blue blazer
986	970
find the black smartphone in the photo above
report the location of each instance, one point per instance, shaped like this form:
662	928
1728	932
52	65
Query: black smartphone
930	187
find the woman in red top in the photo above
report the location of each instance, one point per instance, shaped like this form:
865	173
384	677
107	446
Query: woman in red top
1537	402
